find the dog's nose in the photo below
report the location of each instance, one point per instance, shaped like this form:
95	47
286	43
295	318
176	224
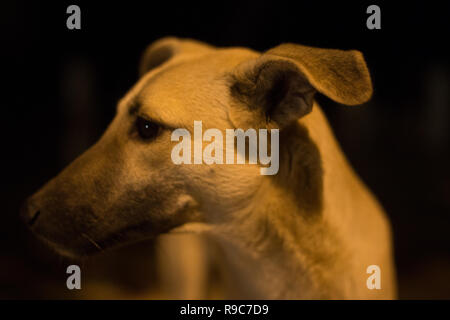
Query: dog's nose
29	213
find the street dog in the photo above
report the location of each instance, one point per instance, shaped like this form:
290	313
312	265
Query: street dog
310	231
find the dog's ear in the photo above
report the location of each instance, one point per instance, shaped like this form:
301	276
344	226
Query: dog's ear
279	86
164	49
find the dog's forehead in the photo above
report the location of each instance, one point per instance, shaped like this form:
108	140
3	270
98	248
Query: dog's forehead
192	89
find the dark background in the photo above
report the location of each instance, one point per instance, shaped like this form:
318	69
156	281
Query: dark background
60	88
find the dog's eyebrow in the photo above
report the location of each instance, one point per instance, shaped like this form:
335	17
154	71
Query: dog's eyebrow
134	107
135	110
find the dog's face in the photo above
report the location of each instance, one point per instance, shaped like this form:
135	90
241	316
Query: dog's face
126	187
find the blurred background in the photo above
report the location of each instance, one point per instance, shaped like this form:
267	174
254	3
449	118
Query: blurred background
60	88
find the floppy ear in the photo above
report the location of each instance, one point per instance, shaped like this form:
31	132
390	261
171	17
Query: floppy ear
279	86
164	49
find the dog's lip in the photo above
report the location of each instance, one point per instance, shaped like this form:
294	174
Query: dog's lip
82	249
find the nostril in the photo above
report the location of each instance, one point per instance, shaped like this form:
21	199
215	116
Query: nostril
29	213
34	218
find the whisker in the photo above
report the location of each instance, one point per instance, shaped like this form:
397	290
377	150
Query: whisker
92	241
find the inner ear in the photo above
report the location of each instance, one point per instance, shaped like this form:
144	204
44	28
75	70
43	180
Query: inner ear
288	95
274	91
277	92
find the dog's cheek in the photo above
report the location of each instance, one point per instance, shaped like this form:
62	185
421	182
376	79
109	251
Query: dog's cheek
220	189
145	210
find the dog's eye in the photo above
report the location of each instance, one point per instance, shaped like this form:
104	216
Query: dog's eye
147	129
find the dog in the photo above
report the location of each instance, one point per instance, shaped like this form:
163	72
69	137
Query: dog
308	232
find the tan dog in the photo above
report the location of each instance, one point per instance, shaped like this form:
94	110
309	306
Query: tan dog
309	231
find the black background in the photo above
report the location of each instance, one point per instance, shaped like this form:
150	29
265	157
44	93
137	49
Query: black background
60	88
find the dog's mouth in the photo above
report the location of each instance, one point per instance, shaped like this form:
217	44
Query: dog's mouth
81	230
75	249
79	244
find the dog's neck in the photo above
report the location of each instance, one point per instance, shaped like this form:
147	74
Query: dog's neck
271	244
282	232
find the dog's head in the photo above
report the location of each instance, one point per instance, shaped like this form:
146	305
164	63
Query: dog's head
126	187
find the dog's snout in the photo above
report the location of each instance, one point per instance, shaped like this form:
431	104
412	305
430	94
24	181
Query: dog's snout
29	213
